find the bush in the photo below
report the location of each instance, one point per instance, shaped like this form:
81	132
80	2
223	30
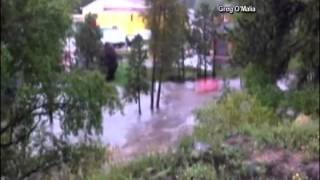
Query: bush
288	136
254	76
244	115
261	85
185	145
241	112
85	159
269	95
148	167
81	161
305	100
197	171
225	118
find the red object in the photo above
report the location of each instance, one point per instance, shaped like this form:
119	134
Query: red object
207	85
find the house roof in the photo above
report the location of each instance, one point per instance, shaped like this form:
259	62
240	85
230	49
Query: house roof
102	5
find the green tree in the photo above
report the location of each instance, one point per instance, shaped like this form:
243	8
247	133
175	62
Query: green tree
170	40
163	18
264	38
211	3
153	19
88	41
36	92
203	35
213	30
307	47
183	22
136	72
194	39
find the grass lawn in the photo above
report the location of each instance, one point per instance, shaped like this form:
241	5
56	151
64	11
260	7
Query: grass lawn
120	77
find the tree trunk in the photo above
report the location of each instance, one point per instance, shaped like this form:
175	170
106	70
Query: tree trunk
178	73
316	77
87	63
157	19
139	80
205	65
204	51
214	58
213	67
139	102
159	88
153	79
199	65
302	78
159	92
183	68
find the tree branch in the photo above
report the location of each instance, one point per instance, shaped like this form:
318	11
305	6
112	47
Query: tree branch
40	168
18	118
21	137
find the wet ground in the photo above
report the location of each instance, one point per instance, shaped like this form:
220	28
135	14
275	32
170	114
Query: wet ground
131	135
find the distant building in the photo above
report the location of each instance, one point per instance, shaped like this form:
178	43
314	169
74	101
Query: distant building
76	18
119	19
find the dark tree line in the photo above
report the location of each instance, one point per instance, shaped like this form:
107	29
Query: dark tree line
277	33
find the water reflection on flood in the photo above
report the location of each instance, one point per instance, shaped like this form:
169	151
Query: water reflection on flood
116	126
158	130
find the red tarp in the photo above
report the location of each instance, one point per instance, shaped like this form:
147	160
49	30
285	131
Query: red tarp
207	85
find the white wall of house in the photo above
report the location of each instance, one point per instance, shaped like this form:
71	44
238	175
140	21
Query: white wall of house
98	6
94	7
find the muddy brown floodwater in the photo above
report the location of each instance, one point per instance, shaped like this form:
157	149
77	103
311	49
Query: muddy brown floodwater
130	135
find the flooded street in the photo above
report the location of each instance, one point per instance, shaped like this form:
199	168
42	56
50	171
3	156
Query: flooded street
131	135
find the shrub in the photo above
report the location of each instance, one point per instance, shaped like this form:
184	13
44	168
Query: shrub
81	161
148	167
261	85
185	145
269	95
197	171
254	76
288	136
305	100
85	159
237	109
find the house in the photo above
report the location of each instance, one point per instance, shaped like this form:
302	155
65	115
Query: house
118	19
